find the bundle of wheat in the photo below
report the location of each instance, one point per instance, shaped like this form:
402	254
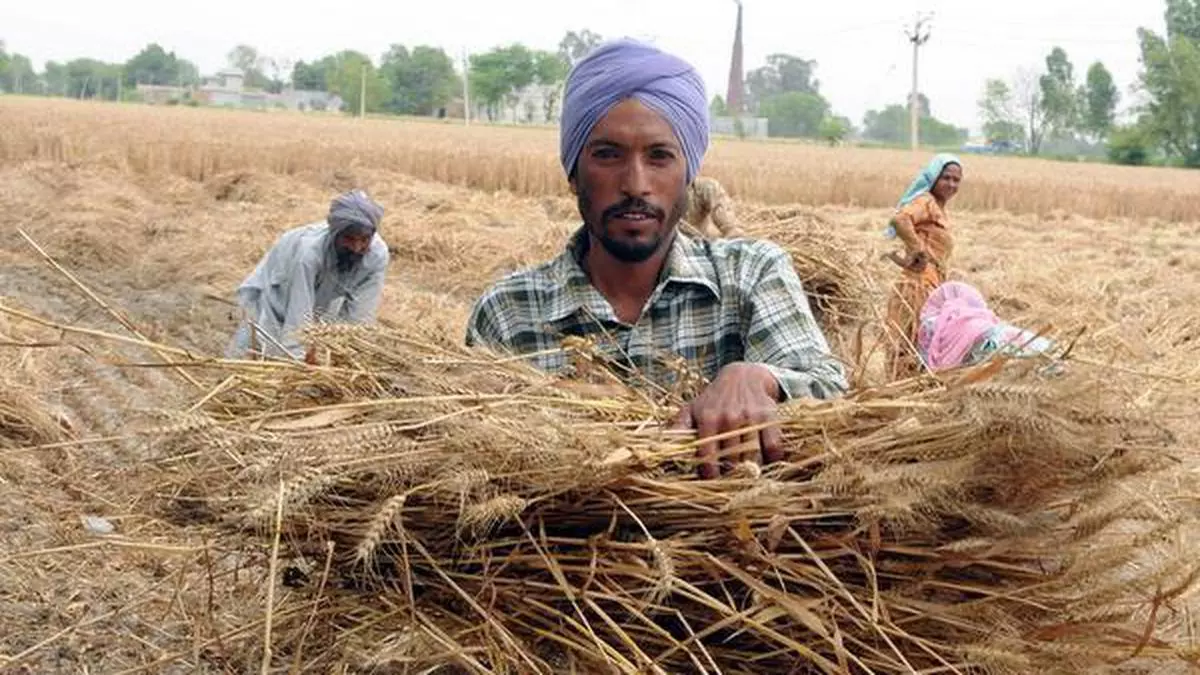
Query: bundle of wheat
24	417
429	505
837	284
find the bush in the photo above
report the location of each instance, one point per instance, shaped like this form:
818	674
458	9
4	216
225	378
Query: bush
834	129
1131	145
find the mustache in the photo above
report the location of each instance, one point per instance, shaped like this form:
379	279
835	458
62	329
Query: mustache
633	205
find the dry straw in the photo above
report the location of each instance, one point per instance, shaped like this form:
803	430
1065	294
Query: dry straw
25	418
485	516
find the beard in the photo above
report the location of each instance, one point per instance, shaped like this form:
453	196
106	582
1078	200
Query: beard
346	259
630	252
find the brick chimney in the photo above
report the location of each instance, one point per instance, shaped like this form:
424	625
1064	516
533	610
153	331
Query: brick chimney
733	94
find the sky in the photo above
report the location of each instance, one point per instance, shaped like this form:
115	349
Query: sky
864	60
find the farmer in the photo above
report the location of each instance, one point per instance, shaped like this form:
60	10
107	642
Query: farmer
921	224
634	131
710	210
331	270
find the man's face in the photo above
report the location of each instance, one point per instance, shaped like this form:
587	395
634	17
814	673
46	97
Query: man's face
631	182
350	247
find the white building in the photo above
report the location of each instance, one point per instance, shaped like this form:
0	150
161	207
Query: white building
529	105
227	88
751	127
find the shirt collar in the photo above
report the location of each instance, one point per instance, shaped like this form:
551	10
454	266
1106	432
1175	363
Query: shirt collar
687	263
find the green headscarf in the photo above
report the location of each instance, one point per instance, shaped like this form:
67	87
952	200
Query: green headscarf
923	183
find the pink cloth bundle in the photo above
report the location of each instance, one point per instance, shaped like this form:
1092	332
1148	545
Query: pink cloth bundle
953	320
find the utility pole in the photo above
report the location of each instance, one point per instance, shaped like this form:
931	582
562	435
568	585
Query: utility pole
918	36
362	91
466	88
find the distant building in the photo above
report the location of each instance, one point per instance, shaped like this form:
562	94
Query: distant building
161	94
751	127
227	89
306	100
528	106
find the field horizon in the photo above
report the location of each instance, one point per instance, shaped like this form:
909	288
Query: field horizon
198	143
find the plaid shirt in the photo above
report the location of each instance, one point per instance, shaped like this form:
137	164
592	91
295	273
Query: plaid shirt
716	303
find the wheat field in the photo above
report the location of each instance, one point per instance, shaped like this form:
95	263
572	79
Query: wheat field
198	144
160	212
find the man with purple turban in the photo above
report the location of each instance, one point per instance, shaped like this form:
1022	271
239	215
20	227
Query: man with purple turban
634	132
332	270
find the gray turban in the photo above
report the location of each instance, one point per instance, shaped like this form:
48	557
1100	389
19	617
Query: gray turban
354	210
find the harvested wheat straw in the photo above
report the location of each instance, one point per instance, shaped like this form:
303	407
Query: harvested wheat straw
25	419
510	524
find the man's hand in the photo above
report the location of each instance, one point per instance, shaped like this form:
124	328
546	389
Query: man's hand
744	394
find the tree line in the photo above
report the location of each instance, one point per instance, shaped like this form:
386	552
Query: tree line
1034	108
1053	106
421	80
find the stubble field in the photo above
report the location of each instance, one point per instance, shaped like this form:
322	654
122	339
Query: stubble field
158	210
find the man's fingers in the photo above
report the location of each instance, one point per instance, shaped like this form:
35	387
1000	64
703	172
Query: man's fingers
683	420
706	427
738	447
772	443
751	449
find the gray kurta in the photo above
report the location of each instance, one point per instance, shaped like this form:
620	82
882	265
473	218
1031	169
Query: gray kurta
298	281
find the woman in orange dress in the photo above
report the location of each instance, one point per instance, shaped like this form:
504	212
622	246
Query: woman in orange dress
921	224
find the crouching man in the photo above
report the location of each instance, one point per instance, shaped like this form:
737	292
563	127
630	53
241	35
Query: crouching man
634	131
331	270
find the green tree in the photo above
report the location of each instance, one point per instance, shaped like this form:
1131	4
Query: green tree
313	76
55	78
996	108
1132	145
834	129
89	78
1098	101
155	65
783	73
1027	100
1059	97
550	72
576	45
1170	81
420	82
1183	18
794	114
498	75
717	107
891	125
17	74
254	67
351	73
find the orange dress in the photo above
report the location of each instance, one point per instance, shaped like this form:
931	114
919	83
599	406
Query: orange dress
922	226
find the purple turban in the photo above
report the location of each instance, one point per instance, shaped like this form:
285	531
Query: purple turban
354	210
626	68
